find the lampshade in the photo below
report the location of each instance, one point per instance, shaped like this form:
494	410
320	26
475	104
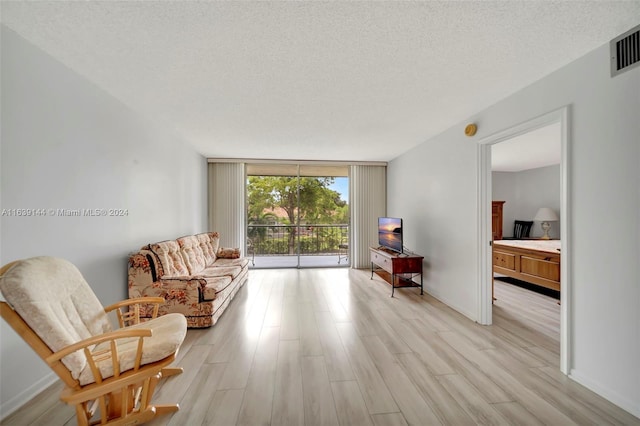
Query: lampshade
545	214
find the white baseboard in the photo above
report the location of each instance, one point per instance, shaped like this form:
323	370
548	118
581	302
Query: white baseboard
621	401
435	294
8	407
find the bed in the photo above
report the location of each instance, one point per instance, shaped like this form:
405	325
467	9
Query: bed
534	261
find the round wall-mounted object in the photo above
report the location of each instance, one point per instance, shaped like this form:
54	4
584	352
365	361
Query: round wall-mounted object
471	129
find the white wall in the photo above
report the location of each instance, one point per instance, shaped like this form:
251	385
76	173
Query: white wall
434	187
66	144
524	193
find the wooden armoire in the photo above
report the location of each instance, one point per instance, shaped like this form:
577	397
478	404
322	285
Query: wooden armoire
496	219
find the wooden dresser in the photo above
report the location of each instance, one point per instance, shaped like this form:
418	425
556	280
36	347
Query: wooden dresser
496	219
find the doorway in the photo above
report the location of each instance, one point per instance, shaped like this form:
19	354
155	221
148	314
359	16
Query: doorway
560	117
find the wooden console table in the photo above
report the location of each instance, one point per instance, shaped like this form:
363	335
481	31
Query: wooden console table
402	267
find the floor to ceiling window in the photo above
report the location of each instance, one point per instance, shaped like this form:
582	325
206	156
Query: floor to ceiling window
297	215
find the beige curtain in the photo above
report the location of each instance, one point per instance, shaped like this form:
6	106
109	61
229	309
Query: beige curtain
368	189
227	212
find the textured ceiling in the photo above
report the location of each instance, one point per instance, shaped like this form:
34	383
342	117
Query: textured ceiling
315	80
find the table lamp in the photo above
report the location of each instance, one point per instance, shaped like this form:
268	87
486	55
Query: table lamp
546	215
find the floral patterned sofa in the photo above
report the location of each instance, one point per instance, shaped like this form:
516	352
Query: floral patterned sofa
195	276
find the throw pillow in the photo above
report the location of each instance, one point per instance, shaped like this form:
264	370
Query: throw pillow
228	253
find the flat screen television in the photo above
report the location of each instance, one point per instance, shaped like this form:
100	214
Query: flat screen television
390	233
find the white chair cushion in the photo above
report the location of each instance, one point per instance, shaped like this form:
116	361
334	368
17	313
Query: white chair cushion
168	333
53	298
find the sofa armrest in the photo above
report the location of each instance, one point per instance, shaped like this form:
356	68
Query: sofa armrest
186	283
181	288
174	290
142	270
178	278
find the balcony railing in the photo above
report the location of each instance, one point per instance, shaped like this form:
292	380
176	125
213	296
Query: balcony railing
286	240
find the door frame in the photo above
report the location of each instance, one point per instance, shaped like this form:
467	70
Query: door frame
485	270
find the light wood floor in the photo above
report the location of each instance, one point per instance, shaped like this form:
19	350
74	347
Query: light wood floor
329	347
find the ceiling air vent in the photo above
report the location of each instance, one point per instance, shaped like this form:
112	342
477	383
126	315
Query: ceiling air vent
625	51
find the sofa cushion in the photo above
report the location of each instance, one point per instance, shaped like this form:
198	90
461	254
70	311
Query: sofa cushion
170	257
209	242
220	271
242	262
192	254
214	286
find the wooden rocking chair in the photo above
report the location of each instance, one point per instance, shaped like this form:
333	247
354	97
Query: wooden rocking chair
109	376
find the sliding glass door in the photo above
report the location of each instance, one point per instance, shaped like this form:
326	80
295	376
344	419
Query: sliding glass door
297	215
